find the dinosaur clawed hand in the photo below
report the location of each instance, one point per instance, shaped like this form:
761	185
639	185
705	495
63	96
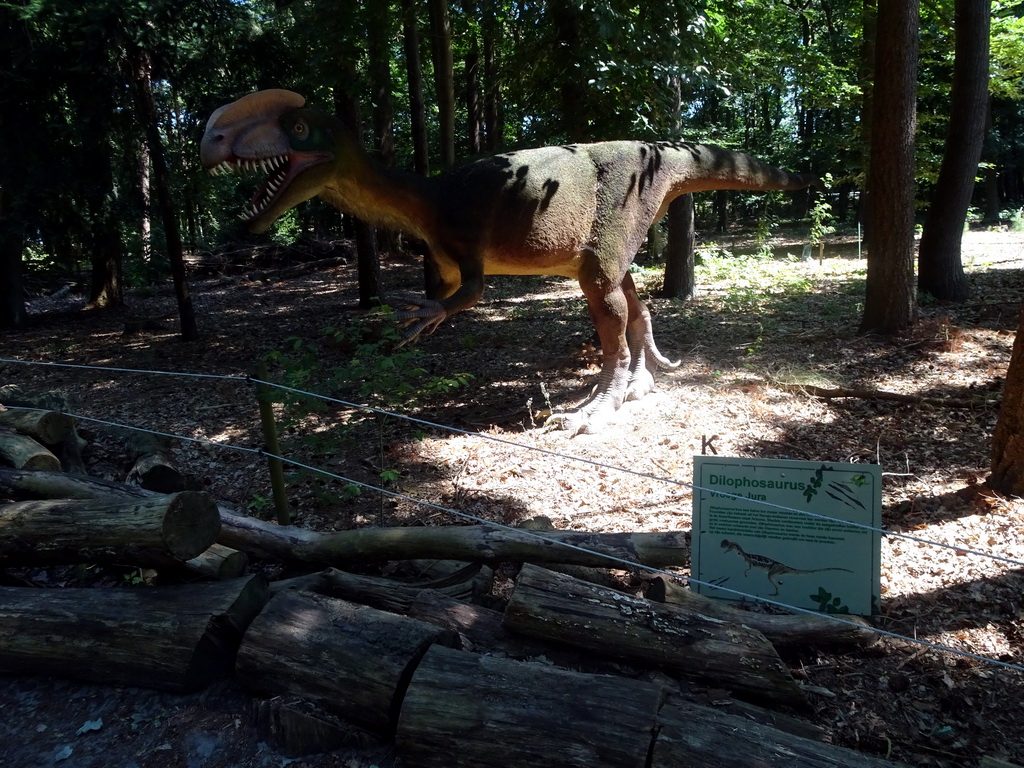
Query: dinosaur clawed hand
417	315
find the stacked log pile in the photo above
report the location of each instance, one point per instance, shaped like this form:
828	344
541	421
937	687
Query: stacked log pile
567	673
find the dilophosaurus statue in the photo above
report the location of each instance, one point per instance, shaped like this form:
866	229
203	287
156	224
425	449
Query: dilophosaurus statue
579	211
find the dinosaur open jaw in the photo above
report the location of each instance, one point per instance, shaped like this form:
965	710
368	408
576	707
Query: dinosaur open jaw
279	170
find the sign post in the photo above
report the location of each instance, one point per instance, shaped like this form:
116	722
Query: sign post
780	530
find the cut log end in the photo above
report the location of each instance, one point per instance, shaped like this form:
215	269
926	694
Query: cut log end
191	524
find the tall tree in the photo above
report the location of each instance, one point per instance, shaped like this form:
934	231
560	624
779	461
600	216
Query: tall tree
12	243
940	269
1008	438
444	77
367	258
680	281
379	33
474	101
890	301
414	75
146	106
492	120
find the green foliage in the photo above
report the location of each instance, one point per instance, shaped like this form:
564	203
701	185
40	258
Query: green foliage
374	371
821	220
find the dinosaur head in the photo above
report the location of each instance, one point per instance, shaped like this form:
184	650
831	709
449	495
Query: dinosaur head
274	133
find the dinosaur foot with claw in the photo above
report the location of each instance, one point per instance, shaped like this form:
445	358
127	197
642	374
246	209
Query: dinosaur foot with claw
417	315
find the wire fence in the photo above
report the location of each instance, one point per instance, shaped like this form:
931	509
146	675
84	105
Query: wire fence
628	564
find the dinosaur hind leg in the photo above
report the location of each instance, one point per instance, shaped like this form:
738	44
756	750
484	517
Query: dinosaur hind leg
609	310
645	359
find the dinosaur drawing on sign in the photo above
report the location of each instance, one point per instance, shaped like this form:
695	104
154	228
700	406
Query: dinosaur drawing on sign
579	211
773	568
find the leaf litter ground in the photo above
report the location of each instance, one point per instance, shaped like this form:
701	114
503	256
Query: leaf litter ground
759	336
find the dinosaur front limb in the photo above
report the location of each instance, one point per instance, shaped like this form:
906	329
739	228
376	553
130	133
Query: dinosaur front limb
420	314
424	315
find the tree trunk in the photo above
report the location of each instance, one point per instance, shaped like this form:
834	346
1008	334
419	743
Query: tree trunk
890	302
1008	438
565	16
492	85
349	659
474	109
679	258
106	255
721	211
177	639
379	33
468	711
367	258
444	79
12	244
866	72
940	268
414	73
559	608
146	107
152	532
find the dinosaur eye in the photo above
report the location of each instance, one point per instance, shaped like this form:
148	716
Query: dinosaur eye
299	129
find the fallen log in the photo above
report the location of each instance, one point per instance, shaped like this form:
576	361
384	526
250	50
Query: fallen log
295	728
286	543
176	638
800	630
479	629
690	735
475	542
558	608
463	710
14	396
23	452
152	465
218	563
47	427
70	448
349	659
385	594
22	484
154	532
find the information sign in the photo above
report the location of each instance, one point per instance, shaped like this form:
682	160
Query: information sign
752	534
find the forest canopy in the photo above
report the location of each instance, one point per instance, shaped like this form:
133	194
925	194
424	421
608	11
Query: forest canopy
431	82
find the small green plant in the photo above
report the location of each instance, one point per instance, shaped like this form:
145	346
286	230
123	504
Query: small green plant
258	504
1017	220
374	370
821	221
286	229
135	578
